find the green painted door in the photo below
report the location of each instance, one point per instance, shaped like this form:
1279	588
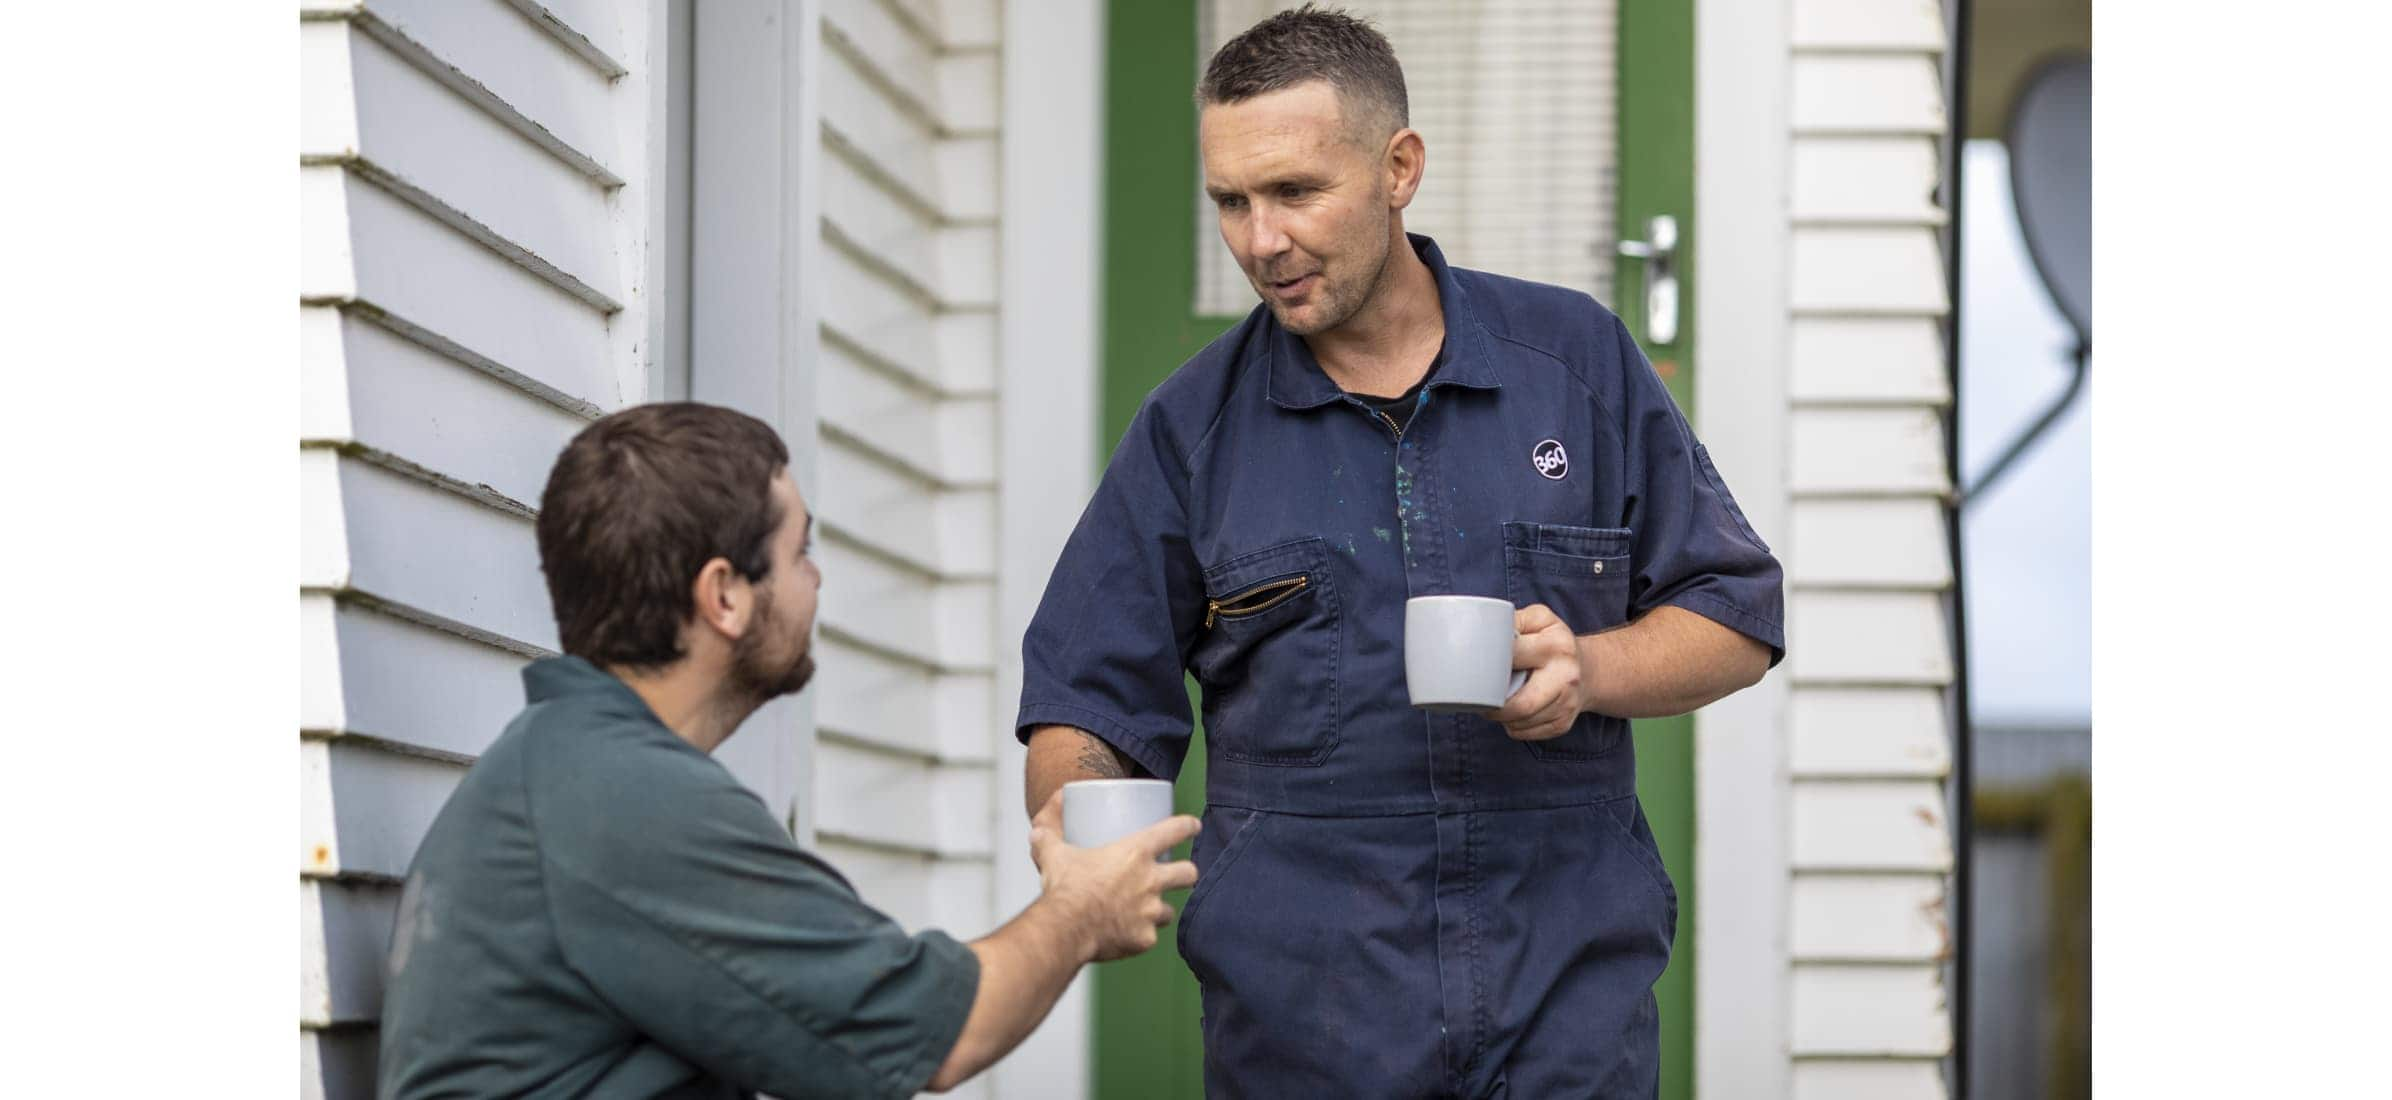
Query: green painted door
1146	1043
1656	173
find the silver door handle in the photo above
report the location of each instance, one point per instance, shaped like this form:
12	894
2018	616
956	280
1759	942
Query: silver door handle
1660	254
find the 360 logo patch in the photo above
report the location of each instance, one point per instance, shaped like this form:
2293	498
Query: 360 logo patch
1550	460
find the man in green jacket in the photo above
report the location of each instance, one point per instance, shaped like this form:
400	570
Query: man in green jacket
602	910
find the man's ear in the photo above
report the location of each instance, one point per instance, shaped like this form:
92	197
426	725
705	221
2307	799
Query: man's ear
1406	161
725	602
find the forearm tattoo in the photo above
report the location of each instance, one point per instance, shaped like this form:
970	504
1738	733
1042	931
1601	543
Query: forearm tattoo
1101	759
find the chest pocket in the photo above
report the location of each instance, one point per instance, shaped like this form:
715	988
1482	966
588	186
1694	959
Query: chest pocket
1579	572
1267	655
1582	574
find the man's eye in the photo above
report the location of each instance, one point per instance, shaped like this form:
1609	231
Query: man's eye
1292	192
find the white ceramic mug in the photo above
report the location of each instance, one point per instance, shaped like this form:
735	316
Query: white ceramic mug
1097	812
1458	653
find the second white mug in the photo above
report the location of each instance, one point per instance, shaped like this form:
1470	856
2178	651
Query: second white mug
1458	653
1097	812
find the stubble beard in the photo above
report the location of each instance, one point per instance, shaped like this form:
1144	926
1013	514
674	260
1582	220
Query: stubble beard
1335	309
757	677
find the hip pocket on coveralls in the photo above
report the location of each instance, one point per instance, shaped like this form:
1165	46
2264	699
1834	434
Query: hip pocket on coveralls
1267	656
1581	573
1630	916
1625	820
1230	831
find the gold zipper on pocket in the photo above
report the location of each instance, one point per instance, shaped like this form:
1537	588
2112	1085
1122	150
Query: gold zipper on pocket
1253	601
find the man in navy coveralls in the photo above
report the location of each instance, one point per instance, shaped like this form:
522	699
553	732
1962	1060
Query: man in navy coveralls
1397	903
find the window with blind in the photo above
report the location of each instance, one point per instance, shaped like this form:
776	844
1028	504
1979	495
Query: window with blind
1516	101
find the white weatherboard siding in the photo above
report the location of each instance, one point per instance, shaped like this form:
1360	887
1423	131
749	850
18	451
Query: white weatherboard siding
845	225
1868	928
905	793
475	246
1824	831
1858	1079
499	247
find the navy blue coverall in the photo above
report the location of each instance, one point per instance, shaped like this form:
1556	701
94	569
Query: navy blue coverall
1396	903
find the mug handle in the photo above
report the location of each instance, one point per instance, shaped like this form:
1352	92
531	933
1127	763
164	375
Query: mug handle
1519	679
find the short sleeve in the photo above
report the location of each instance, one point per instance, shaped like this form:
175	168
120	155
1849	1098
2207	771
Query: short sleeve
1106	650
1693	548
689	912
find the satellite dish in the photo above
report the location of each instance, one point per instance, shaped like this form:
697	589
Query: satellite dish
2051	183
2050	136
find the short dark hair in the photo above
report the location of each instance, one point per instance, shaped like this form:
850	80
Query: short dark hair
1307	44
637	504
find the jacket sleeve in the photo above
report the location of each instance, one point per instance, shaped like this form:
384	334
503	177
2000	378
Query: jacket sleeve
1693	547
1107	649
691	913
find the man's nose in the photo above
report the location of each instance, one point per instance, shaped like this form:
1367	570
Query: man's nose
1264	240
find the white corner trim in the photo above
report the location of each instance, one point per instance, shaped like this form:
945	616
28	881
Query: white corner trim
1742	247
1050	223
754	308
